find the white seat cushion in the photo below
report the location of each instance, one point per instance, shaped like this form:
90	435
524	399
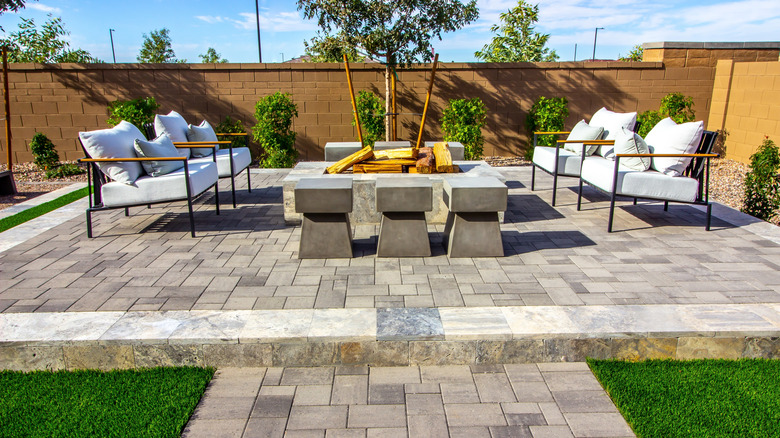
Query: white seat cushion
598	171
175	126
116	142
568	161
169	187
241	159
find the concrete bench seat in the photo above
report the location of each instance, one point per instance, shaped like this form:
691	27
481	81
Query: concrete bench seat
403	231
473	228
324	202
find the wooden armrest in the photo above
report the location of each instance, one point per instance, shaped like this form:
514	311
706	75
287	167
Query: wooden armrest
110	160
244	134
195	144
588	141
668	155
551	132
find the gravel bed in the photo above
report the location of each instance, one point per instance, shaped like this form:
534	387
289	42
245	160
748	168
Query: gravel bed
726	181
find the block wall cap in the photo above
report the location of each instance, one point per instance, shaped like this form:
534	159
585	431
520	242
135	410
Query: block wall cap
712	45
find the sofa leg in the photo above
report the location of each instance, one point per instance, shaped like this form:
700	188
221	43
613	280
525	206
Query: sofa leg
192	218
555	187
233	188
611	212
666	205
89	224
634	201
533	176
709	216
216	196
248	180
579	196
127	211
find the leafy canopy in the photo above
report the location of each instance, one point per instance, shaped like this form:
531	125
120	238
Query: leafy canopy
136	111
212	57
636	54
44	45
157	48
399	31
329	48
11	5
516	40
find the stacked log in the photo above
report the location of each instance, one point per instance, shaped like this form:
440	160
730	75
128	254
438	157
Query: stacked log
437	159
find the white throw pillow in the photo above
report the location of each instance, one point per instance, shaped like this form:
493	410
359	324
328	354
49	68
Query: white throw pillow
667	137
174	125
202	132
161	146
116	142
583	131
612	122
629	142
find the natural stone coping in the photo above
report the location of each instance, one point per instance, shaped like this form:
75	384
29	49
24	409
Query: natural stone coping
445	324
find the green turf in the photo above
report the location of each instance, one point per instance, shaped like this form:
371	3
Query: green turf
153	402
698	398
40	210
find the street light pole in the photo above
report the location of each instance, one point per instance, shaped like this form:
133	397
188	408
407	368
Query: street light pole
257	15
594	42
111	34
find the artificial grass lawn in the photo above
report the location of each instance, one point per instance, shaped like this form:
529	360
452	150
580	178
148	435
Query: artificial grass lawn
153	402
697	398
40	210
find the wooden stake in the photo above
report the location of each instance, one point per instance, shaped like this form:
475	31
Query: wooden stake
7	110
395	112
352	95
427	101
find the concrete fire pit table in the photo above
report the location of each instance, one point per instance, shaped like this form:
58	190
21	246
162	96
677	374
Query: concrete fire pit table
364	190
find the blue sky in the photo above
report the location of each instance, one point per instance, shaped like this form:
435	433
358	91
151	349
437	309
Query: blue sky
229	26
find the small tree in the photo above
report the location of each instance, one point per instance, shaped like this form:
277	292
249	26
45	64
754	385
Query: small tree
157	48
462	121
372	117
762	183
399	32
212	57
546	115
516	40
47	159
47	45
636	54
274	132
137	111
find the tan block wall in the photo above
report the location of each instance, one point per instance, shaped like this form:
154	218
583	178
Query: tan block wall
61	100
746	103
690	57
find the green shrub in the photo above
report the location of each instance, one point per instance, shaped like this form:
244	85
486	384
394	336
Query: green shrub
64	170
762	185
137	111
675	105
371	109
274	132
45	156
462	121
232	126
546	114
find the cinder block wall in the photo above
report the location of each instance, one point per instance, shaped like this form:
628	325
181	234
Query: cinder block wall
701	54
61	100
746	103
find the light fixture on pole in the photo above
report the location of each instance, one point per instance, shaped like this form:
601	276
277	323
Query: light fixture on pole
257	15
111	35
594	42
282	53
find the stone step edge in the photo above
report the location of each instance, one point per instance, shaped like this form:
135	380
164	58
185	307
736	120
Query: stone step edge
140	354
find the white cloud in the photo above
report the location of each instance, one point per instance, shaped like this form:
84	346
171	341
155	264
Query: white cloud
211	19
43	8
269	22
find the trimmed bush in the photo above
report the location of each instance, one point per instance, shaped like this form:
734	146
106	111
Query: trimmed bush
274	132
675	105
462	121
371	109
762	183
546	115
137	111
45	156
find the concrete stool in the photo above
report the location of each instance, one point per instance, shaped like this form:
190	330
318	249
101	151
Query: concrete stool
403	202
384	145
473	229
324	202
336	150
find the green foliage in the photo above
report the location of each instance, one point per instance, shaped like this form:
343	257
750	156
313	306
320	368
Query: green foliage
636	54
516	40
330	48
546	115
697	398
64	170
212	57
29	44
675	105
762	183
136	111
372	117
11	5
154	402
232	126
720	142
399	31
462	121
45	156
274	132
157	48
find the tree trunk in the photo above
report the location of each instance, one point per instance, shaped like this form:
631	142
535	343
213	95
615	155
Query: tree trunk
388	102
